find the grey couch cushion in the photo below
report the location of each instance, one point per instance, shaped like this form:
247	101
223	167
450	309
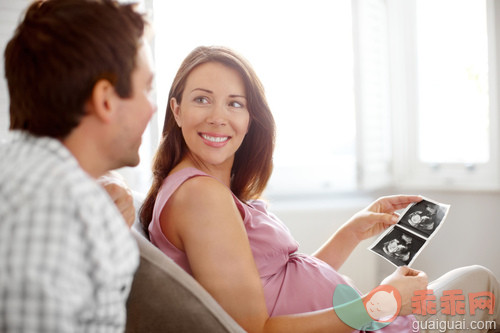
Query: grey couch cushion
164	298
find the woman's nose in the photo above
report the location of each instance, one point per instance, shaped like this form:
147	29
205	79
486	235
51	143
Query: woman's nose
218	116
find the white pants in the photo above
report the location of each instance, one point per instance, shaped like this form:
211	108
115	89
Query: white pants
468	280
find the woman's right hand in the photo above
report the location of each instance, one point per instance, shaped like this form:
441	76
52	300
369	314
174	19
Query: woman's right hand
406	280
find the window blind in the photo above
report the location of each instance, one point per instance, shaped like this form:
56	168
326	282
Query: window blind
373	125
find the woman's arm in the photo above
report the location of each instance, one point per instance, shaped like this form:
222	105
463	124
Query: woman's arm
204	221
367	223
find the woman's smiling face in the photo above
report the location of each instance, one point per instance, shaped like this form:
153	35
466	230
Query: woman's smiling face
213	114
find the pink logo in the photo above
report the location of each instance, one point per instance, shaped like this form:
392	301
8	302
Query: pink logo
383	303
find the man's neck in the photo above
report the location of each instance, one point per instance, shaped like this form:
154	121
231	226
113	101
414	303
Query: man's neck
85	148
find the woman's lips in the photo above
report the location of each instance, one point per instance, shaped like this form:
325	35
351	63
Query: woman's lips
214	140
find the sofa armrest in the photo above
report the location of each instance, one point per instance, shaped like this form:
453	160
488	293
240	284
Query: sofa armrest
164	298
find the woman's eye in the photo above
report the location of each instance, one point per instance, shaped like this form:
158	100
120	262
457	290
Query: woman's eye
236	104
202	100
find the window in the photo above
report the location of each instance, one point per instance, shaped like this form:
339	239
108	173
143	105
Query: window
446	71
303	54
452	72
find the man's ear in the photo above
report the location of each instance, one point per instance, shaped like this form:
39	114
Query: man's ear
103	100
176	110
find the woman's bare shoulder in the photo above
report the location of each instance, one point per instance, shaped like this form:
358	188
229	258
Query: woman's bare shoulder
203	187
199	202
201	195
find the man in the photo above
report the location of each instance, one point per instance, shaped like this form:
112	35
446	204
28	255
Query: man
79	77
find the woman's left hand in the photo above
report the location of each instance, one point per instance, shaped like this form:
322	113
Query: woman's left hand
378	216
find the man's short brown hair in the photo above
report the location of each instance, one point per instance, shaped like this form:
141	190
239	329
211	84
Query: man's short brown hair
57	54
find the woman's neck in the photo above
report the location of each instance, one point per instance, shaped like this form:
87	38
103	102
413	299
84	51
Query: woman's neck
222	173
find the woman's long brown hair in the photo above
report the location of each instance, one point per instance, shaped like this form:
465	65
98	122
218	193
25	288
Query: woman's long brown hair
253	162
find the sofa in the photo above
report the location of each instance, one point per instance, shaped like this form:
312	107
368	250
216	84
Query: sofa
164	298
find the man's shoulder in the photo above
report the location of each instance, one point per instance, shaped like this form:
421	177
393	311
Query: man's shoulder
36	169
22	152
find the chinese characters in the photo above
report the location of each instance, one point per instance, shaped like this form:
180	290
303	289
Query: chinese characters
452	302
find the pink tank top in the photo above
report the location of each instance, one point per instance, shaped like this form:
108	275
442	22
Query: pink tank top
292	282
